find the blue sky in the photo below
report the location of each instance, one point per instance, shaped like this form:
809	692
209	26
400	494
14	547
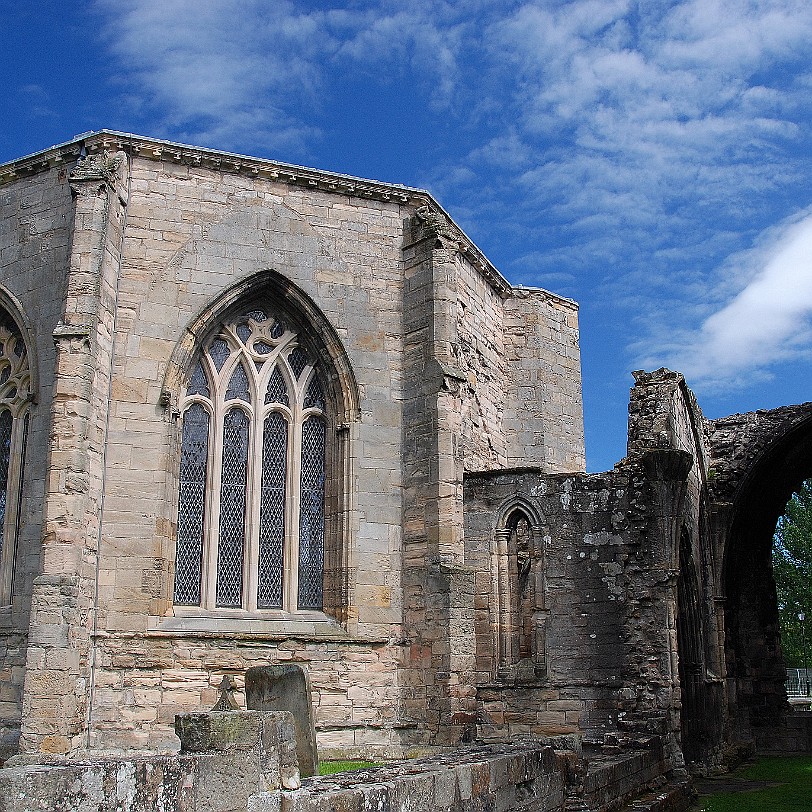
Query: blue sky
651	160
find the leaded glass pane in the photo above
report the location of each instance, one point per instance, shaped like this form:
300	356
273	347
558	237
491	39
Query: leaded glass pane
272	512
5	458
258	316
277	391
219	352
238	385
278	330
262	347
243	331
198	383
194	455
298	360
314	397
231	546
311	516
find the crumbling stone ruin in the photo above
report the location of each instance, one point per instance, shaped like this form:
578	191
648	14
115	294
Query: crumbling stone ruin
255	414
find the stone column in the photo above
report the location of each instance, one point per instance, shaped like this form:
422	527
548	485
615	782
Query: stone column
63	609
667	472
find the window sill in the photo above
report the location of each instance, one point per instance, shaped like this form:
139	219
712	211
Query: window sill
271	626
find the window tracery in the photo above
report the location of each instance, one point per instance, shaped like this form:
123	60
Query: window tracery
15	397
251	498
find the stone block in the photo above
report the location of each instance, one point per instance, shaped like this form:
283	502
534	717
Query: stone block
286	687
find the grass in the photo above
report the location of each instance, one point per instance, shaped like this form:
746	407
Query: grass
791	790
330	767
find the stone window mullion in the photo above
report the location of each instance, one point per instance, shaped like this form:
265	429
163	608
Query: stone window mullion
293	510
214	485
252	519
11	473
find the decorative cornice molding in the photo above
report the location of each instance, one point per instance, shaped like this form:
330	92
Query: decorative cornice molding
431	222
96	145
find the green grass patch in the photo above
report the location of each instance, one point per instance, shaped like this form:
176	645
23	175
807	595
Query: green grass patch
791	775
331	767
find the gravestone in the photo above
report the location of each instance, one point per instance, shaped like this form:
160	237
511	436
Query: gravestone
286	688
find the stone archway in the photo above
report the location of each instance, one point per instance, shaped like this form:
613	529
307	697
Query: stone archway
759	459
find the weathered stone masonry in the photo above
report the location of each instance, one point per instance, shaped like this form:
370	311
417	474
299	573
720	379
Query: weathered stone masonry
653	591
471	581
124	254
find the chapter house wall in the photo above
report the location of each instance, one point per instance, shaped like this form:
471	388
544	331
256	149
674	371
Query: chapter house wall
480	356
543	413
192	233
589	566
36	215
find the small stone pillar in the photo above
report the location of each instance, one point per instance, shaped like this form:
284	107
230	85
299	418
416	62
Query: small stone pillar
257	750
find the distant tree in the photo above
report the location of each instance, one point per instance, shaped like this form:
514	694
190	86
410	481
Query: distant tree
792	569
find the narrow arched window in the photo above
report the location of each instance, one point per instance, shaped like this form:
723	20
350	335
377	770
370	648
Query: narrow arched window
251	490
15	398
519	597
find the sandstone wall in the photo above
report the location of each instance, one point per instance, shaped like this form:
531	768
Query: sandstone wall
543	415
36	217
608	546
159	242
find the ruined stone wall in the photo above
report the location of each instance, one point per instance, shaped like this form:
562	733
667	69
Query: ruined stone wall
757	460
589	565
232	762
609	549
36	216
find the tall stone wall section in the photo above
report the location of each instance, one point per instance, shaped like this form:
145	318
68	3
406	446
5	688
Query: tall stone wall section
193	233
63	617
36	218
543	412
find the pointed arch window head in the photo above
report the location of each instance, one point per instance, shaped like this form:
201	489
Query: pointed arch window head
15	399
251	497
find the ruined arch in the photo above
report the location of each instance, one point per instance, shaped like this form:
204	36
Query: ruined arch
766	456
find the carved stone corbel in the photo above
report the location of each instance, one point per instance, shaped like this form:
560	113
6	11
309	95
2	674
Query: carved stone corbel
94	171
434	224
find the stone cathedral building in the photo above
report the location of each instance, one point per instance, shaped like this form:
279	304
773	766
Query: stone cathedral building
253	413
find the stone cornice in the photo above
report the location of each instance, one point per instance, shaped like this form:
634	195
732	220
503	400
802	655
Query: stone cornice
110	141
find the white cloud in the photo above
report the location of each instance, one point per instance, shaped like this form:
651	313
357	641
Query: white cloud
219	71
251	72
628	145
767	321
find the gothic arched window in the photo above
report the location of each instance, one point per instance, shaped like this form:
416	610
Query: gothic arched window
15	397
252	472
